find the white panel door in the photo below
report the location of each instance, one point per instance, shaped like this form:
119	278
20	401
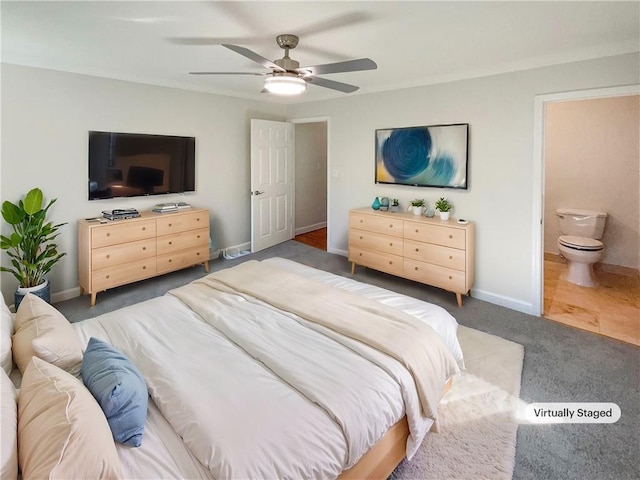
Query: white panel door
272	150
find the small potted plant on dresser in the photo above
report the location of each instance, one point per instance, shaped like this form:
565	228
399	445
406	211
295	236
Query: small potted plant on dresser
30	247
443	206
417	206
395	205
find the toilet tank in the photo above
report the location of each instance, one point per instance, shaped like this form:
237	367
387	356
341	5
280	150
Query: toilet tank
582	223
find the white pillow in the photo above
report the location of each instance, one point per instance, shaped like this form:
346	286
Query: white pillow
9	432
42	331
6	331
62	432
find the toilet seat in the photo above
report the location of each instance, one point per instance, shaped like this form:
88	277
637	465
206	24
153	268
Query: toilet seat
581	243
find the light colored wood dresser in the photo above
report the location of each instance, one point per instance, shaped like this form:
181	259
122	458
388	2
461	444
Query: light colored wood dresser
428	250
125	251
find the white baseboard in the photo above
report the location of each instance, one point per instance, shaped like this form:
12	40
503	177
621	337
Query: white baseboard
503	301
310	228
65	295
337	251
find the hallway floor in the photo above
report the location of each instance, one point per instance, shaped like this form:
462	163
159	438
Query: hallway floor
612	308
316	238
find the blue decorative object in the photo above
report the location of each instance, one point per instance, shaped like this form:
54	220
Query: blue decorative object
119	388
376	204
384	204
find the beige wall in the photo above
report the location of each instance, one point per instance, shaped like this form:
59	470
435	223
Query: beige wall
311	176
592	161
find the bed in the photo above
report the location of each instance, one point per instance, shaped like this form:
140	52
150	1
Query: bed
267	370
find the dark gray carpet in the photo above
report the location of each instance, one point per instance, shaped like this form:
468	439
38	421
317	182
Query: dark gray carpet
561	364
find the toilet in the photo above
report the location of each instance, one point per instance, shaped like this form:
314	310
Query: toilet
580	243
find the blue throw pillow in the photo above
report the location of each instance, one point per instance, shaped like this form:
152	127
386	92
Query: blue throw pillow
119	388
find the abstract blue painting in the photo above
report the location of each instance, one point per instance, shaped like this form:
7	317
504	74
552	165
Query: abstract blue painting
429	156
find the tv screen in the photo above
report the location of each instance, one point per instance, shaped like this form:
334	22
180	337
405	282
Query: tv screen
132	164
429	156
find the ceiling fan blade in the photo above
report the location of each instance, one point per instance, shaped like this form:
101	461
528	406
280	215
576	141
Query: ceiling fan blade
228	73
338	67
332	84
251	55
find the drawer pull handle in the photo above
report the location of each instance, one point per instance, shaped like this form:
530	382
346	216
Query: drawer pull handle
170	243
108	256
360	254
450	236
144	228
107	277
390	262
416	230
108	234
198	253
416	268
144	248
361	220
450	257
360	237
198	236
144	267
198	219
417	249
450	277
170	225
170	260
391	244
391	226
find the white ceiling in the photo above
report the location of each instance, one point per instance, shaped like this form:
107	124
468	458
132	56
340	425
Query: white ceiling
413	43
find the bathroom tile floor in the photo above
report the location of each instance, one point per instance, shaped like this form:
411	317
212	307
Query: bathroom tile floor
612	308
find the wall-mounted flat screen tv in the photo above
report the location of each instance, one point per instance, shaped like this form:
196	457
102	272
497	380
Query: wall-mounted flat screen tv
133	164
429	156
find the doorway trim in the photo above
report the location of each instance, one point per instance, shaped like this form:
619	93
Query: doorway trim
327	120
537	216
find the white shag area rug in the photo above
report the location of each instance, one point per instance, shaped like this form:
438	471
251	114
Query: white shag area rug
478	417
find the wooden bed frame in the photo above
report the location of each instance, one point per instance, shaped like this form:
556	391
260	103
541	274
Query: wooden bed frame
386	455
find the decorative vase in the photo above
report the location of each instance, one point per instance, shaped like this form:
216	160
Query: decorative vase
376	204
430	213
444	215
43	291
384	204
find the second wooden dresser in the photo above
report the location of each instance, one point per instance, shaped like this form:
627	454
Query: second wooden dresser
124	251
427	250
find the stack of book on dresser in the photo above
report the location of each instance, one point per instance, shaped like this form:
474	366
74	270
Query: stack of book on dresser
170	207
120	213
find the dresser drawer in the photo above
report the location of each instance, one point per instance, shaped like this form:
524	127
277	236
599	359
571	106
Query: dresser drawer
122	232
373	223
436	254
446	236
375	241
122	274
182	223
380	261
182	259
183	241
449	279
117	254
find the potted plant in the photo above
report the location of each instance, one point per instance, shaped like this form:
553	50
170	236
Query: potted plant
417	206
30	247
395	205
444	206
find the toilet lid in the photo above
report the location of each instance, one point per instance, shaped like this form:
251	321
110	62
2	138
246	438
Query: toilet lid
581	243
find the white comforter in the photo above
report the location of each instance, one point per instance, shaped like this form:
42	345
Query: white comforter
256	393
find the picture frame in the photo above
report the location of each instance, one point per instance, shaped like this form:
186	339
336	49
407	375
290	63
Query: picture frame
424	156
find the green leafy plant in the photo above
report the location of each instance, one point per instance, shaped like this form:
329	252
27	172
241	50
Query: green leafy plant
394	202
30	247
443	205
418	202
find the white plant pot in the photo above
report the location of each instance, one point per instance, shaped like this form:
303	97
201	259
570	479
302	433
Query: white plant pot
417	210
444	215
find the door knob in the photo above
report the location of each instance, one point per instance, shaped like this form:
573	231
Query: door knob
257	192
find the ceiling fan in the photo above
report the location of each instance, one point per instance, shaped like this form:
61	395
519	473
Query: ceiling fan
288	78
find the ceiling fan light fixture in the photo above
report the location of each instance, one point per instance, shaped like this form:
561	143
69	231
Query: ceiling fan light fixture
285	85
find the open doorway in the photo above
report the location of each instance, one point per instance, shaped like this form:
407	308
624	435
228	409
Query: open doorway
311	182
572	128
